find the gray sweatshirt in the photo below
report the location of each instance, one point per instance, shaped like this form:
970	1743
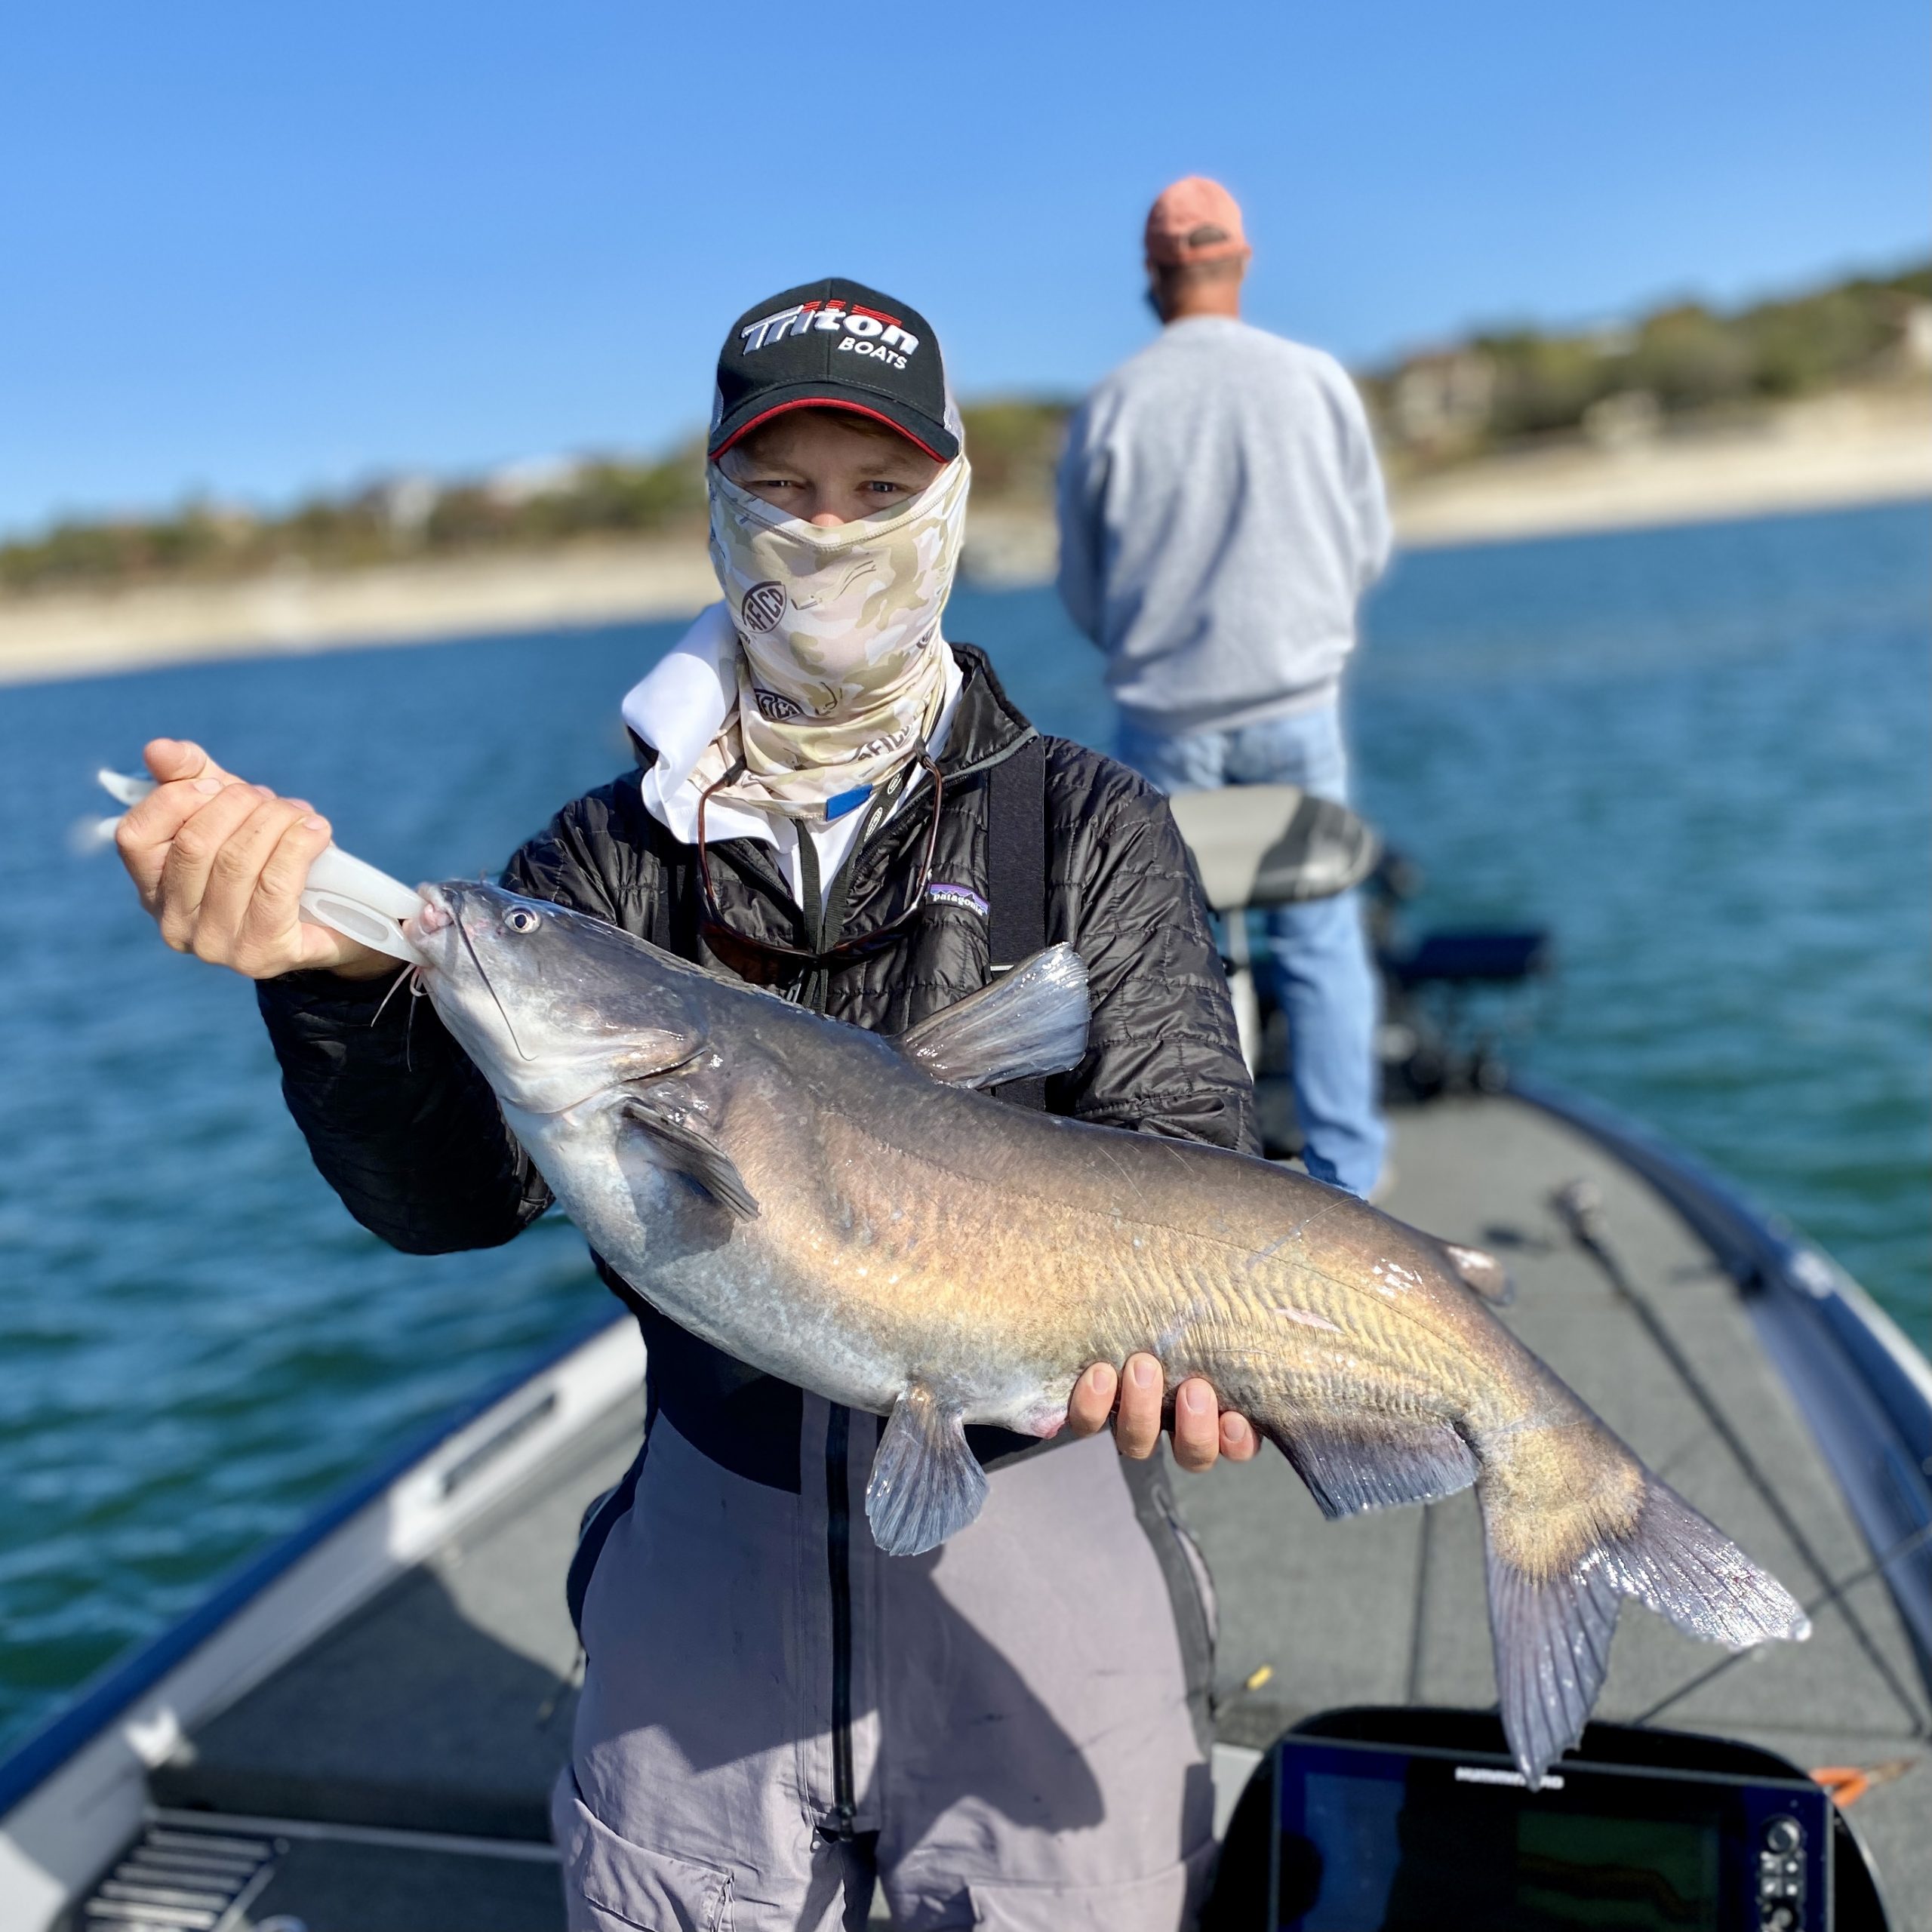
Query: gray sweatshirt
1220	512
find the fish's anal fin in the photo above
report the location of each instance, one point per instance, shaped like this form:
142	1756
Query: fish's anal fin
1031	1022
1476	1267
669	1139
1373	1462
926	1484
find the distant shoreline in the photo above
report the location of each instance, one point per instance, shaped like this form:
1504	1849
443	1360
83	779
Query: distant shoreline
1836	453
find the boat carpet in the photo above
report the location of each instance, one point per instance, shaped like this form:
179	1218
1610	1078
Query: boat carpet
328	1886
1390	1609
445	1704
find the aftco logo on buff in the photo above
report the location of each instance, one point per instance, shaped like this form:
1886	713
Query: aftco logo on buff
763	604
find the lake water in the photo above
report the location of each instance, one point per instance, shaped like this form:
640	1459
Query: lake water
1699	756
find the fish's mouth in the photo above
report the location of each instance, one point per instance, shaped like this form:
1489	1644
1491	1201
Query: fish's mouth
435	916
441	914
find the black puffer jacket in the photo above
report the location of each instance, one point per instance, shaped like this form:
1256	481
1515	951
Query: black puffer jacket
411	1136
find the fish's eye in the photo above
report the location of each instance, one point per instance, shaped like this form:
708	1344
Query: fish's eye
520	921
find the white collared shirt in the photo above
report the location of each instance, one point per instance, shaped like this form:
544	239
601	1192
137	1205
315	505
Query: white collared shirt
677	707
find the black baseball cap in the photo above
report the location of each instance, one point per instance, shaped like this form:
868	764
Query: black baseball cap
833	344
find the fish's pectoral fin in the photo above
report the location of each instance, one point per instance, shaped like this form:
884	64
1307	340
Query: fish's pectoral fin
1371	1462
926	1483
1030	1022
670	1138
1476	1267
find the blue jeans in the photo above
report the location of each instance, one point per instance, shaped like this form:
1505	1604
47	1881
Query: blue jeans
1323	977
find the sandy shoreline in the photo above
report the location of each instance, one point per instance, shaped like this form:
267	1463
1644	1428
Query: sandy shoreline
71	636
1836	452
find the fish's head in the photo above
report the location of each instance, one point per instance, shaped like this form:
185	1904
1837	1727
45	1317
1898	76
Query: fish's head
553	1007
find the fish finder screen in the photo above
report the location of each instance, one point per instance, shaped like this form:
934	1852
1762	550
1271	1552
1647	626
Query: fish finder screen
1387	1853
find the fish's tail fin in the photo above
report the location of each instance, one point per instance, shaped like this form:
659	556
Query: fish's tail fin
1557	1569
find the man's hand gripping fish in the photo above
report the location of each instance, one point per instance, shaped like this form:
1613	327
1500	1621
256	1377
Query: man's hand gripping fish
842	1209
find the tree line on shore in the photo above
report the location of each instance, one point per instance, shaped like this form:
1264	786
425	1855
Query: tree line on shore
1502	387
1493	391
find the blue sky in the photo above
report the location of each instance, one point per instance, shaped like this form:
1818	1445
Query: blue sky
259	250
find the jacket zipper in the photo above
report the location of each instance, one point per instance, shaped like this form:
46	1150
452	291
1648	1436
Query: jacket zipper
839	1562
818	916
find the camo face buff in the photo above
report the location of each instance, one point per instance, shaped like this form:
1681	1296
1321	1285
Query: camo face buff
841	671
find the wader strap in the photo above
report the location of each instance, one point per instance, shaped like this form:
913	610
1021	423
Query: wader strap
602	1518
1016	876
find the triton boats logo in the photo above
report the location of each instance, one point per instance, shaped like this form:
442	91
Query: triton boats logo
762	606
861	331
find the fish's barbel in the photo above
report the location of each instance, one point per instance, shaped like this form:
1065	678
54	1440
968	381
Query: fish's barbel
346	894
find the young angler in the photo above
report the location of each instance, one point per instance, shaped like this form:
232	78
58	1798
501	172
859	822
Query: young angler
834	801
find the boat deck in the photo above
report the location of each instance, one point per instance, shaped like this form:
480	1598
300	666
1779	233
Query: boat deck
1389	1608
404	1761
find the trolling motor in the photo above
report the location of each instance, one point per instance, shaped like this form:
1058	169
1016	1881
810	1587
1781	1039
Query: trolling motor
1443	1025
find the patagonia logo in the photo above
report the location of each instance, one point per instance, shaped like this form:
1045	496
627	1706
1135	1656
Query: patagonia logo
883	334
944	894
775	707
762	606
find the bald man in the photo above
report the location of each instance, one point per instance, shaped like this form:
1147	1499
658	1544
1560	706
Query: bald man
1221	513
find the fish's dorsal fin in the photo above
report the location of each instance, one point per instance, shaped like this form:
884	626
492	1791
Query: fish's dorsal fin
1476	1267
926	1484
669	1139
1031	1022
